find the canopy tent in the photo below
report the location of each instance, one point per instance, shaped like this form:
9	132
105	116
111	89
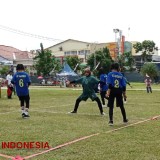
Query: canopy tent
67	73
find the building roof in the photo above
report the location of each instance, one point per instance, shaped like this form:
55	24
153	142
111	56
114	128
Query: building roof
66	41
12	53
5	61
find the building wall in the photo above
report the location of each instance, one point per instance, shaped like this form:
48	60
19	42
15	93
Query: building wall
71	48
133	50
112	46
84	49
75	48
70	45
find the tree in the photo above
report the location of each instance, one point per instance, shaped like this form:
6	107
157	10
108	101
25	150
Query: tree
45	62
4	70
102	57
73	61
150	69
127	60
147	47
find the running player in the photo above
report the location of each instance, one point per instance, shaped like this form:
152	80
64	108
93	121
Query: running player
22	81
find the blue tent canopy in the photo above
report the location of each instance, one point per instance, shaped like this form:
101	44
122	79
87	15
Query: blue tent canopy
67	71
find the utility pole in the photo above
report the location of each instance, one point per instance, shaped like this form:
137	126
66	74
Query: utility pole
118	42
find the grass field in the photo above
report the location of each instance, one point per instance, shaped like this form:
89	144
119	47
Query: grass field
50	122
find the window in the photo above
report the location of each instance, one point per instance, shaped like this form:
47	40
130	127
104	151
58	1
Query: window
73	52
67	53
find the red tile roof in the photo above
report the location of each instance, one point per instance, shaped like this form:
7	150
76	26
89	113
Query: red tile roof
12	53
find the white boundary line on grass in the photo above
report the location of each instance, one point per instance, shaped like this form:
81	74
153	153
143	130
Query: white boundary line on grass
43	111
8	112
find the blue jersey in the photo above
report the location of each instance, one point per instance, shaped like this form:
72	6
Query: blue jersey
21	81
116	80
103	78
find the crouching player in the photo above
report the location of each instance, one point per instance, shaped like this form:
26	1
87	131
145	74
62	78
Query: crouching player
22	81
88	82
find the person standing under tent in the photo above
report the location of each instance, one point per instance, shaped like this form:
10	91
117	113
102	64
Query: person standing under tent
22	81
116	89
88	82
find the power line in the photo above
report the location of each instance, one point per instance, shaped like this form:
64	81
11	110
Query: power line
12	30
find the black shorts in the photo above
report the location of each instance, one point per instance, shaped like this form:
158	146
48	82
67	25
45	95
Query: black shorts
115	93
24	98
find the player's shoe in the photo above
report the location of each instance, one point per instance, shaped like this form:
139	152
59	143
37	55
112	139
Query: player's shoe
25	115
125	121
103	106
110	123
102	113
73	111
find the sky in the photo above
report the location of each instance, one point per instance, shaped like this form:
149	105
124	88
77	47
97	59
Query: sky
23	23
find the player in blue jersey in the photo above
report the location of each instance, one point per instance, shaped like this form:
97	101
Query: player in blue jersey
117	89
21	80
103	86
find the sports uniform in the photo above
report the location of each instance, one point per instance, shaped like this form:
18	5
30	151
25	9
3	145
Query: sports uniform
103	87
22	81
117	88
88	82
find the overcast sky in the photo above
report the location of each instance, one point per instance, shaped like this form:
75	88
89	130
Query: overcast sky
84	20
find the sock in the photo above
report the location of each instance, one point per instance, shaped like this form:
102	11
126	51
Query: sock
22	109
26	111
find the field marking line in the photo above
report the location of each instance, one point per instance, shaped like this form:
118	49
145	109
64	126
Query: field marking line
6	156
86	137
43	111
64	105
153	118
8	112
62	145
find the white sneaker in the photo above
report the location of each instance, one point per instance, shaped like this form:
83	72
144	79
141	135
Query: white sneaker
103	106
102	113
110	123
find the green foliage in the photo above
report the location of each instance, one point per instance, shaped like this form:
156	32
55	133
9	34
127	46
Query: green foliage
150	69
138	47
73	61
102	56
126	60
4	70
45	62
147	47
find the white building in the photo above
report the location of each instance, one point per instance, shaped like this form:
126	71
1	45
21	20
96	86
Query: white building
72	47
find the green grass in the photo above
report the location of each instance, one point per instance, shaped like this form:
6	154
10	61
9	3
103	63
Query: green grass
50	122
